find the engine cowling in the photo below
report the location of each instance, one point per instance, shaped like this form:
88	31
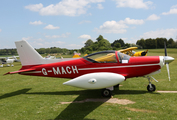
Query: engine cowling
96	80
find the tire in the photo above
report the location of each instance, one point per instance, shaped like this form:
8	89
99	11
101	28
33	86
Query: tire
151	89
106	93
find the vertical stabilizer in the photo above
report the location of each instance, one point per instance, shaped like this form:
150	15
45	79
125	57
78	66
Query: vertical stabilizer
28	55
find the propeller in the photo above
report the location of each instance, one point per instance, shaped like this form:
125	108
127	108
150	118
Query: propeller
167	60
144	53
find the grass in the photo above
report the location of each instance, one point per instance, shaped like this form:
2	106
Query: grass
38	98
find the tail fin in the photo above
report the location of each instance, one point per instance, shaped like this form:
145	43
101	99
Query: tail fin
28	55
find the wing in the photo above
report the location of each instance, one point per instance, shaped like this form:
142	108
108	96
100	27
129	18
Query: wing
128	49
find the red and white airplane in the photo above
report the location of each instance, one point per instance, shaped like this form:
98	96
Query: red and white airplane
101	70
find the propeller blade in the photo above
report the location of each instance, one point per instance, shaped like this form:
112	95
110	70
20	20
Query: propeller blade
167	65
144	53
167	60
165	48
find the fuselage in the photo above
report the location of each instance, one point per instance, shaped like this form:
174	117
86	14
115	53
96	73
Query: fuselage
114	63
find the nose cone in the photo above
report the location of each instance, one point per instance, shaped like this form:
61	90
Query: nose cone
162	61
168	59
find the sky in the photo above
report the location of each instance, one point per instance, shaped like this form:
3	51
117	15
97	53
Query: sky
70	23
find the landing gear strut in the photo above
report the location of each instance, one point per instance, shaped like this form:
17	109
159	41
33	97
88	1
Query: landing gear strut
150	87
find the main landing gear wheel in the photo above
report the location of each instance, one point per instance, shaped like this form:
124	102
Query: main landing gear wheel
106	93
151	88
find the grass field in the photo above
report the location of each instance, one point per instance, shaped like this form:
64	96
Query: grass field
39	98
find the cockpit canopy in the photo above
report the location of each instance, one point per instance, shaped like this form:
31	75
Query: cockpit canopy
108	57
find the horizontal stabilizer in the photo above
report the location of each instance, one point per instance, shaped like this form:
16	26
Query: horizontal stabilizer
20	71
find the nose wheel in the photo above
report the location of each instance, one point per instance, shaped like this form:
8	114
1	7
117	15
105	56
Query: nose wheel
150	87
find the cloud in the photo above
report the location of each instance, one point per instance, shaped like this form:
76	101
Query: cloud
133	21
0	30
119	26
85	36
45	44
36	23
167	33
172	11
58	42
133	4
100	6
74	46
153	17
26	38
64	7
35	8
84	21
112	27
174	6
58	36
51	27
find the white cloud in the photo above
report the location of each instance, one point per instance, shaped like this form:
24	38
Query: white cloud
74	46
46	44
51	27
39	39
100	6
167	33
153	17
119	26
26	38
36	23
58	36
0	30
84	21
133	21
85	36
172	11
64	7
174	6
133	4
112	27
35	8
57	42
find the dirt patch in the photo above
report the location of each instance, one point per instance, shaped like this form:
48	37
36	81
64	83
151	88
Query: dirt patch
140	110
167	91
110	100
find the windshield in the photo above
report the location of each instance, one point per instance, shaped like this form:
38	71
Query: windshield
102	57
123	58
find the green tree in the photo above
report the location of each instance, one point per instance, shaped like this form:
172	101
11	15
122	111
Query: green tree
117	45
88	43
118	41
100	38
141	43
104	45
150	43
171	43
160	42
